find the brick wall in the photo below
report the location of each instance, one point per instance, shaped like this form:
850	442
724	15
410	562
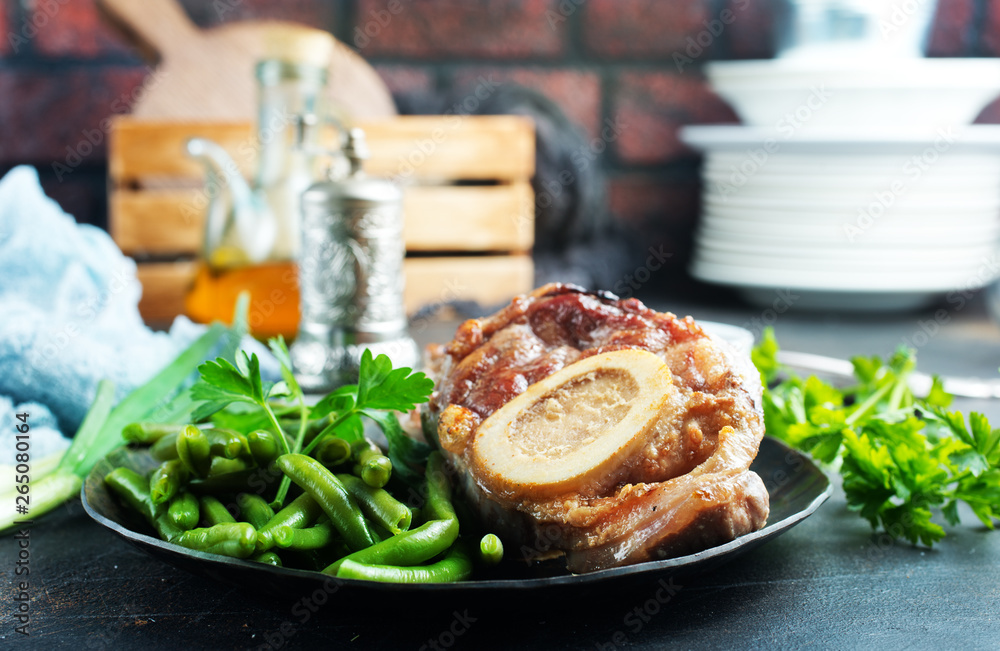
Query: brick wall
62	71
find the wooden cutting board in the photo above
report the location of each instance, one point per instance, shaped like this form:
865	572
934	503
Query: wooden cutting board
208	74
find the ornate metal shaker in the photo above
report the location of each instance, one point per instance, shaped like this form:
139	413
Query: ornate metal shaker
350	276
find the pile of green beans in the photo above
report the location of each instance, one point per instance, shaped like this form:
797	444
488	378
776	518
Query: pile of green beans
214	487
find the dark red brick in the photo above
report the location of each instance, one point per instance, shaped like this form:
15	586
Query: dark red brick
6	28
652	106
405	79
208	13
501	29
638	199
75	28
639	28
951	30
662	211
578	93
59	110
991	29
752	31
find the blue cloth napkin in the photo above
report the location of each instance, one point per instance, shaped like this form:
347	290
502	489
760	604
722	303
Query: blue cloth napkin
69	309
46	439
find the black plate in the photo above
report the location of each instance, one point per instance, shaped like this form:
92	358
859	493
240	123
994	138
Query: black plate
795	485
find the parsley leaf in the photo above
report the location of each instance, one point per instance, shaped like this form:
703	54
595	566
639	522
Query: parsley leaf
382	387
221	383
342	399
224	389
901	457
765	357
406	453
381	390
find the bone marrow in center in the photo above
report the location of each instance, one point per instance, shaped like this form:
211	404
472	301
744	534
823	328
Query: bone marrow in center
573	429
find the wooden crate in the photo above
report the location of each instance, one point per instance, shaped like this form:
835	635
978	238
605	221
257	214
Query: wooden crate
469	242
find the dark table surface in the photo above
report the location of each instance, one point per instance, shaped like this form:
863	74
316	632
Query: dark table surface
827	583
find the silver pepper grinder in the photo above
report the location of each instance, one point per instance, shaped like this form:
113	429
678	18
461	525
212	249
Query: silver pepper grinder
350	275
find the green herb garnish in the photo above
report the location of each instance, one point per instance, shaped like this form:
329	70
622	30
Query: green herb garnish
381	390
902	457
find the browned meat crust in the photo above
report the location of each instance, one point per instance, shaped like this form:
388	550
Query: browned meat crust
689	487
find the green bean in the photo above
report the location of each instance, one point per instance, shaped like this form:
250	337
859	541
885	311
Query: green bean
235	539
268	558
332	451
349	520
316	537
363	446
194	450
376	471
372	466
378	504
166	480
278	536
133	489
490	549
408	548
455	566
264	447
227	443
257	480
426	541
254	509
148	433
331	495
184	511
165	449
222	466
166	528
438	506
214	512
300	512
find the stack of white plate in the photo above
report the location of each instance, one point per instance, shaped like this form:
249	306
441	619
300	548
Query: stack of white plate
850	216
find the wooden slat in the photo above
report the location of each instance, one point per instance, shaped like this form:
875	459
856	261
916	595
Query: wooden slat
142	148
498	147
469	218
486	279
157	222
437	218
494	147
164	286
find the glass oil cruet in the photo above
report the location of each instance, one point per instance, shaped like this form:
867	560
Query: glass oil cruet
252	230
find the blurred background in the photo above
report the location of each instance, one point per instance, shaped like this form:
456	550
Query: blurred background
64	69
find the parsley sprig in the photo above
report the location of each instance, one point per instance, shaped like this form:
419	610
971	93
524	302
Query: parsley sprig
225	391
381	390
902	458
